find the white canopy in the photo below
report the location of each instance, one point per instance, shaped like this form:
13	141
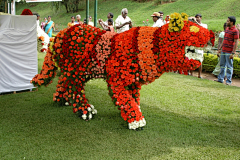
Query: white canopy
18	52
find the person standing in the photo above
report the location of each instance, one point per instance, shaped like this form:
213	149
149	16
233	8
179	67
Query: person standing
156	19
49	27
38	17
220	41
161	17
44	23
199	21
104	25
110	25
78	17
90	21
72	23
167	19
123	22
228	47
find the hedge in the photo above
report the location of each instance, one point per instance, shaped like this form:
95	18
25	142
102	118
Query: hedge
211	60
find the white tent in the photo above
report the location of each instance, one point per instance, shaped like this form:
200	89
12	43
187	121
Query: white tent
18	52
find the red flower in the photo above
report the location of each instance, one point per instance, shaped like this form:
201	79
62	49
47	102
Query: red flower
26	12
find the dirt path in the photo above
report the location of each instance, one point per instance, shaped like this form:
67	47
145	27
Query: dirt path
209	76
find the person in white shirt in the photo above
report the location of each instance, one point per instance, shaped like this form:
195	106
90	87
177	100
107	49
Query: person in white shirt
161	17
90	21
38	17
156	19
78	17
123	22
198	20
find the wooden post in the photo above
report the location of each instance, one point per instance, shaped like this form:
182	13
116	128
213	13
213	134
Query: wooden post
95	13
87	10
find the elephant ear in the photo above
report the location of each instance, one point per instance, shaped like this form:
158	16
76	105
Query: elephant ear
176	23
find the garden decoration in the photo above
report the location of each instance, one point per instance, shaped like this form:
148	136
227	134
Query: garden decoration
26	12
42	40
126	61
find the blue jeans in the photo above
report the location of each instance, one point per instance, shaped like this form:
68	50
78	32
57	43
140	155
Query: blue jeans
226	62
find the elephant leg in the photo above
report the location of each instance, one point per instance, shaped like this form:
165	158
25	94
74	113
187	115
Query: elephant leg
59	95
128	104
77	98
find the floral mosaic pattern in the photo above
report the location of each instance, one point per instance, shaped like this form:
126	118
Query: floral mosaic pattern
126	61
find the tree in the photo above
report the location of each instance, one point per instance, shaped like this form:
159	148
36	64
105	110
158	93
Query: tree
71	5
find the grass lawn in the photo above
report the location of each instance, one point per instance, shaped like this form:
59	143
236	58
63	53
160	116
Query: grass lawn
214	12
187	118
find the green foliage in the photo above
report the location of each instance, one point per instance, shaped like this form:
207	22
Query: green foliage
163	1
211	60
71	5
187	118
157	1
214	12
236	67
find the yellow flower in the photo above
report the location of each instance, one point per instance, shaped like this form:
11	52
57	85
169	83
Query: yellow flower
176	29
178	21
184	16
194	29
170	30
56	64
172	16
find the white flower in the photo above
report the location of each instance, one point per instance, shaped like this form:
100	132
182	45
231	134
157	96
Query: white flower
89	109
135	124
84	116
130	126
192	47
92	106
90	116
94	111
142	122
66	104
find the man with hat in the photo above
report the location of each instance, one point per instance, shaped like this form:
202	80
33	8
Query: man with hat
156	19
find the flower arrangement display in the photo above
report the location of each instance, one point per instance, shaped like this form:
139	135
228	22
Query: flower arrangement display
43	40
42	43
126	61
26	12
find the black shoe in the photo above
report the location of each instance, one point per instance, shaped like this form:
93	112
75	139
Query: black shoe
216	80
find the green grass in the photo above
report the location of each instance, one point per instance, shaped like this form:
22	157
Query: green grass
214	12
187	118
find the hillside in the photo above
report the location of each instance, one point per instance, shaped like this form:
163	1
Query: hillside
215	12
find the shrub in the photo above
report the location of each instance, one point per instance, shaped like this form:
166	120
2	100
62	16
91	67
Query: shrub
211	60
164	1
209	63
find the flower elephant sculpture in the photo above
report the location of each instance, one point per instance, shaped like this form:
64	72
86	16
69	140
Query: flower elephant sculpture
126	61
